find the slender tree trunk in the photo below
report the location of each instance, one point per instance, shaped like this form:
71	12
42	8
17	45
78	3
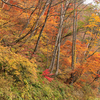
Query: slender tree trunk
42	30
47	3
74	42
58	39
28	20
58	57
36	24
56	44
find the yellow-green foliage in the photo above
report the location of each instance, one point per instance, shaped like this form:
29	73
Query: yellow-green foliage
20	68
17	81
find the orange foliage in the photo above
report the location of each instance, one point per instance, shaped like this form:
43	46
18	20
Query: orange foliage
13	20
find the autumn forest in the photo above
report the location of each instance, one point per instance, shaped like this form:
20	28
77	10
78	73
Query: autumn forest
49	50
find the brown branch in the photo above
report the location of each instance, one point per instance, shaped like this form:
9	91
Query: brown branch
42	29
15	5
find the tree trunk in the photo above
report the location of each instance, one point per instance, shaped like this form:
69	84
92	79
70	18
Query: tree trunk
42	30
74	42
58	39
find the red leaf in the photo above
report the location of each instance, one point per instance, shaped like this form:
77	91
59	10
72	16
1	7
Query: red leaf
48	78
98	75
47	75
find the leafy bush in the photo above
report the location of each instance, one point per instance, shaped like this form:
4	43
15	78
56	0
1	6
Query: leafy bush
20	68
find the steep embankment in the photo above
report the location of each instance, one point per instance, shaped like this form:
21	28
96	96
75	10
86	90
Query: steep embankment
19	80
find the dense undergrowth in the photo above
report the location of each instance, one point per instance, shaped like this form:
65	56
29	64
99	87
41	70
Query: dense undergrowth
21	80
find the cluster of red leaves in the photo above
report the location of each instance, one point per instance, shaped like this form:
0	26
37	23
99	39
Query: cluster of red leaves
47	75
98	75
